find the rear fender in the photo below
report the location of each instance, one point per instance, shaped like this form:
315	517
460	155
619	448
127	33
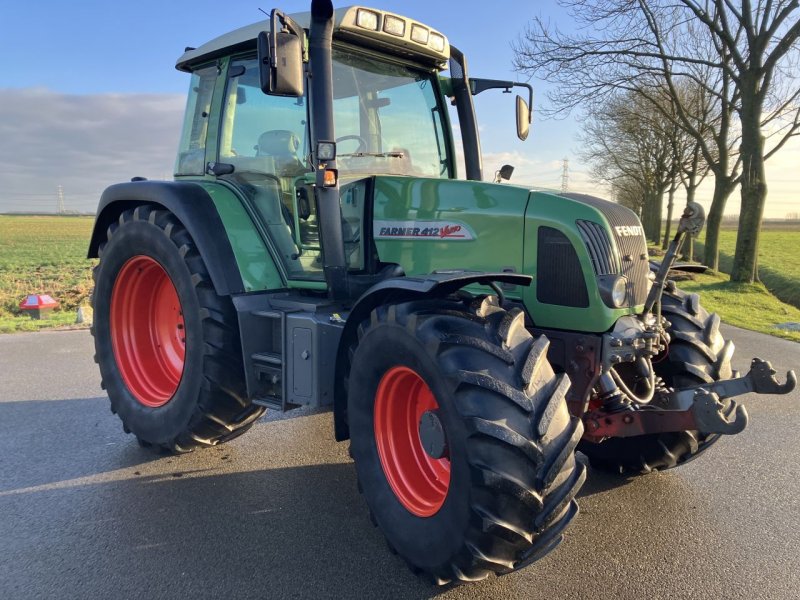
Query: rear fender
400	289
193	207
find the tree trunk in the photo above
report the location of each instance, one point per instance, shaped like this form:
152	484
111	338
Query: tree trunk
723	186
688	246
651	215
754	186
670	206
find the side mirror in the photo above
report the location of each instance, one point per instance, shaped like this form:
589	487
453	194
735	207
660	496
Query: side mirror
523	119
504	173
280	57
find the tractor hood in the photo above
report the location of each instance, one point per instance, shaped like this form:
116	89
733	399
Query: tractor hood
566	242
432	224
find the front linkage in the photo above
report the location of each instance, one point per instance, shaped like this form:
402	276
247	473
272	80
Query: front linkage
623	412
701	407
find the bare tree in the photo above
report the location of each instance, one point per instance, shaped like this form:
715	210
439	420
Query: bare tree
747	52
631	150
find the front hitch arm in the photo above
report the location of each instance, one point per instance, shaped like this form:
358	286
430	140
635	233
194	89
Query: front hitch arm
759	380
698	408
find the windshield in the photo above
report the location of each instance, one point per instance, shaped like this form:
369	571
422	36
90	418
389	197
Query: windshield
387	118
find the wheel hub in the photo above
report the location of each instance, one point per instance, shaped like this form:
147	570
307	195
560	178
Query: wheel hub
147	331
431	434
411	441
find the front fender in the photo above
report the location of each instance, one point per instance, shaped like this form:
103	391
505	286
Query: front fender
193	207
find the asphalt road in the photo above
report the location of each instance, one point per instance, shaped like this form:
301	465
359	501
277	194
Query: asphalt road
86	513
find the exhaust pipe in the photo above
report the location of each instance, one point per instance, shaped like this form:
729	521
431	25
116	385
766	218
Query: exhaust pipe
329	210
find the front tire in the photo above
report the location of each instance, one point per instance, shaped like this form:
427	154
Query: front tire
697	354
489	484
167	345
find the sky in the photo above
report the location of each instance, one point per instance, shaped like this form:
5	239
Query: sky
90	95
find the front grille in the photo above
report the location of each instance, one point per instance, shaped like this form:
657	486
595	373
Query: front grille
604	259
633	260
559	277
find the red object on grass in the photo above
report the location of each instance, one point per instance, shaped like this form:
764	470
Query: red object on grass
38	301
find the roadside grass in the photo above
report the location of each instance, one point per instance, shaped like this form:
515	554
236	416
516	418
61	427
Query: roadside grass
746	305
778	260
43	254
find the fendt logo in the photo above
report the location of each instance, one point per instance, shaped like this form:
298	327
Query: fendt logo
628	230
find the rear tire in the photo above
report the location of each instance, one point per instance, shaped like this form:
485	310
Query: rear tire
167	345
697	354
504	490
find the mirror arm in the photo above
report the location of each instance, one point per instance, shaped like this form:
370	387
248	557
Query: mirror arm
476	86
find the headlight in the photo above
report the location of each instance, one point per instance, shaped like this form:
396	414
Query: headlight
394	25
613	290
618	291
437	42
367	19
419	34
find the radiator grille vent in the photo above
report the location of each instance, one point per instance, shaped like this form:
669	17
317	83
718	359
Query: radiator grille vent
632	249
559	278
604	260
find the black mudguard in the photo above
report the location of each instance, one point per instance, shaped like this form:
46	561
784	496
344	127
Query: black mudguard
193	207
400	289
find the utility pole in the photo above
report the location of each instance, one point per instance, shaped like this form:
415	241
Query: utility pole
60	208
565	175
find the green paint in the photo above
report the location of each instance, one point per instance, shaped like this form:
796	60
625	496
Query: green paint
492	212
306	284
551	210
256	265
504	220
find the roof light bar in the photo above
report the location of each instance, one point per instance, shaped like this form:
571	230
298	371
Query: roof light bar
379	28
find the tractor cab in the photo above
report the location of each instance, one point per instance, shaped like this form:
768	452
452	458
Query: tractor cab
389	113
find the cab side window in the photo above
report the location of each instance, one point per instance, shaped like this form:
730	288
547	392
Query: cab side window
262	133
264	138
192	150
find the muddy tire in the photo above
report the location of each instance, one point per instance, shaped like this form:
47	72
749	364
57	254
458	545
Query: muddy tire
462	441
167	345
697	354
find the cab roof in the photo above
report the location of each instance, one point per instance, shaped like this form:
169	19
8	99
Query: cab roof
346	27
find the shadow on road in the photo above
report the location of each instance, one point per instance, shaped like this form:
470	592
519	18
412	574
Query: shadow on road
57	432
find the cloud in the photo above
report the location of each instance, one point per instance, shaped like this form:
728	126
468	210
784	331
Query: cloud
83	143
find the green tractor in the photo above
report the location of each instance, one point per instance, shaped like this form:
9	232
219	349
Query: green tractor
317	249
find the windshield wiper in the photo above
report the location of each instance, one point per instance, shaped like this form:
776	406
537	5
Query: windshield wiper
378	154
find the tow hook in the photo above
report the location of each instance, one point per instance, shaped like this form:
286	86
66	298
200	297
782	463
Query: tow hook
696	408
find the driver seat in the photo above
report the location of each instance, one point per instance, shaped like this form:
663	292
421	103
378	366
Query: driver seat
282	146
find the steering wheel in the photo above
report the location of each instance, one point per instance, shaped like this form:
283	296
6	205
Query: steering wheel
362	143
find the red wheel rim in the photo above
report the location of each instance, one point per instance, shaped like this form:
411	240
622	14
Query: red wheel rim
419	481
147	331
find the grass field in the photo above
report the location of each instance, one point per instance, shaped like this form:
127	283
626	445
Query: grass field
778	260
43	254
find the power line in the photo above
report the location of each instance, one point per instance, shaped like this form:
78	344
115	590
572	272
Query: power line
60	207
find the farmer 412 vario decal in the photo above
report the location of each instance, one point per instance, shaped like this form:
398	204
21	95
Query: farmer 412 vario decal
422	230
